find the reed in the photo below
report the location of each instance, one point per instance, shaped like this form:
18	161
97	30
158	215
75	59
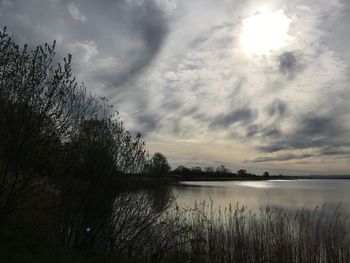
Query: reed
237	234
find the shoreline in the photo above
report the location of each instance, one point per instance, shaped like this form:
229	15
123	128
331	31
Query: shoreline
224	179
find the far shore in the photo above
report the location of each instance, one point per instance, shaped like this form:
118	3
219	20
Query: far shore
231	178
270	178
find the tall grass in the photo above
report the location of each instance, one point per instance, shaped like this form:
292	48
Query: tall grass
139	232
236	234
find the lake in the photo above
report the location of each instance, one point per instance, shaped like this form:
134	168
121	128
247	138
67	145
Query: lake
290	194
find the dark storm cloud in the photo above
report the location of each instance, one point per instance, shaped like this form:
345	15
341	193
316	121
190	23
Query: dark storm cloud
335	151
287	63
318	125
265	132
271	132
327	151
252	130
286	157
132	33
147	123
152	27
311	132
273	147
277	108
242	115
141	25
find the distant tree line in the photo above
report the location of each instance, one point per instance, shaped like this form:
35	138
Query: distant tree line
157	166
220	171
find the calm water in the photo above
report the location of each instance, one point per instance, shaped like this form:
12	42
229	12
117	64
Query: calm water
279	193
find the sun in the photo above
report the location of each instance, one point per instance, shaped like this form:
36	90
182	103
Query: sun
264	33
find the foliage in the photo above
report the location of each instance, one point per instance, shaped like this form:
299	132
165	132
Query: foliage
54	136
40	107
242	172
158	165
222	170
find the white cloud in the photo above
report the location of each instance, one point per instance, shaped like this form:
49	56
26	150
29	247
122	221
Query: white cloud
135	2
76	13
83	51
216	78
176	70
167	5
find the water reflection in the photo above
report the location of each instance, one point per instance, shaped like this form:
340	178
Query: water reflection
294	194
160	198
257	184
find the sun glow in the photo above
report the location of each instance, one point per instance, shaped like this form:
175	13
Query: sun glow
264	33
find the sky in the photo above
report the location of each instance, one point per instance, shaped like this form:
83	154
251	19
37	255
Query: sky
259	85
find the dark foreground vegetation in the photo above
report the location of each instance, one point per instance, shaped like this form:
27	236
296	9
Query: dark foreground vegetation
201	234
56	140
71	191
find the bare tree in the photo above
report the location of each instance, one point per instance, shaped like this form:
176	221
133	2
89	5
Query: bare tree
101	149
40	107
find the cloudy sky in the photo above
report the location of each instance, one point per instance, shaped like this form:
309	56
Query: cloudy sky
261	85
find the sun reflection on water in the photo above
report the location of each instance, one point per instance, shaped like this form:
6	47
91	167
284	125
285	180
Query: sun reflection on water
260	184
